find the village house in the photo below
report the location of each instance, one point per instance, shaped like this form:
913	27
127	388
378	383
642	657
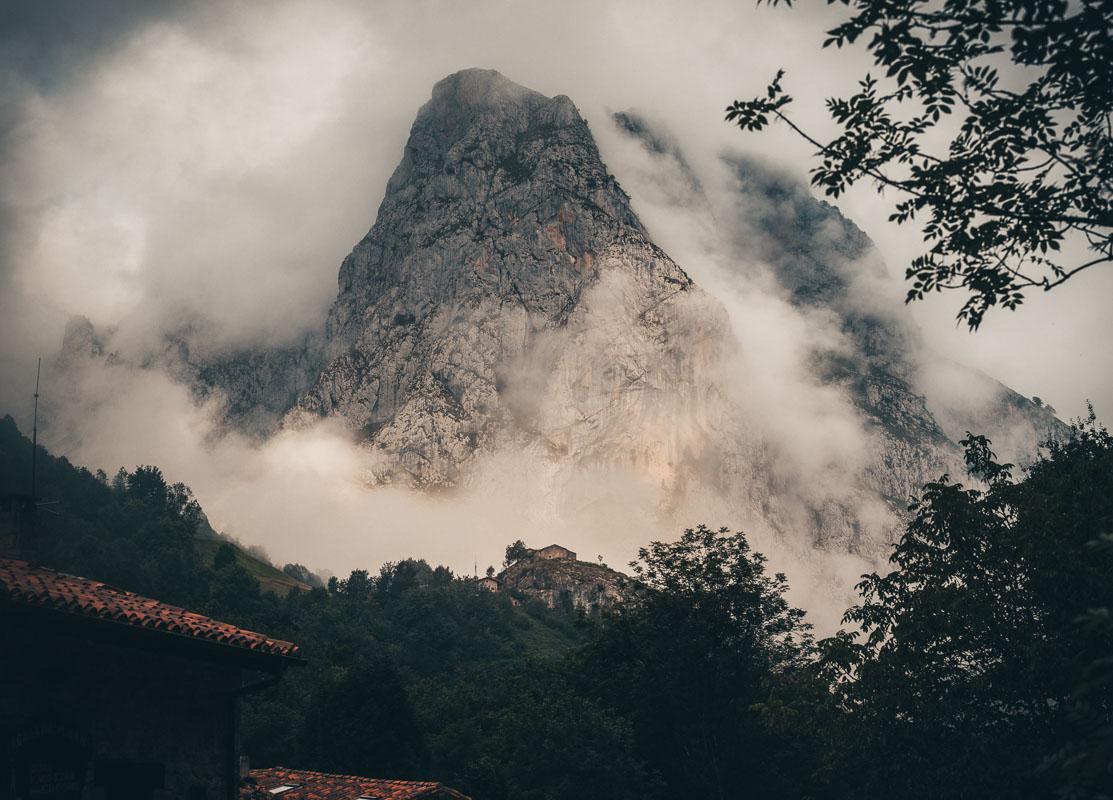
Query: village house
555	551
108	694
290	784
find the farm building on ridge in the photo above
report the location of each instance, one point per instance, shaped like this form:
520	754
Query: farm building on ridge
555	551
489	583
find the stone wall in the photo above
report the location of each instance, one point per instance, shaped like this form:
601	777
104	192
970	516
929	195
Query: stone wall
100	710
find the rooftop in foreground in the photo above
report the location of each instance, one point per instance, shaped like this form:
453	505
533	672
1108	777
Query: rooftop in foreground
64	597
294	784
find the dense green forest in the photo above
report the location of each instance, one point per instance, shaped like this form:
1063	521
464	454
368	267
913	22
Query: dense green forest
982	664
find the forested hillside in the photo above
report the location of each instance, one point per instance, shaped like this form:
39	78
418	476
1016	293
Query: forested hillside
982	666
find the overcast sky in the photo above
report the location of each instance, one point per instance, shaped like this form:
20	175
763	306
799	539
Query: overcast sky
161	162
160	159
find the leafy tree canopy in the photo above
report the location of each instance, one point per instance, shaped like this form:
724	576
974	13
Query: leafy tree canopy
700	644
516	552
1023	91
983	662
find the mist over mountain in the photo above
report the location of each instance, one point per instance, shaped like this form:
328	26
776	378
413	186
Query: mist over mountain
556	401
509	310
500	227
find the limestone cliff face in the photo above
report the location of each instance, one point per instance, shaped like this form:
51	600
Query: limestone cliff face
822	263
508	295
258	386
565	583
506	290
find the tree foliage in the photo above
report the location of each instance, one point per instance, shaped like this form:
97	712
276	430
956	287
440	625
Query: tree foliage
516	552
979	669
981	664
1023	91
690	658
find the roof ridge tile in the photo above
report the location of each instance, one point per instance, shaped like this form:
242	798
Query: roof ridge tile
24	584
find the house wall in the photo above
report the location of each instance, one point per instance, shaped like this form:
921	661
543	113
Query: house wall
95	707
555	552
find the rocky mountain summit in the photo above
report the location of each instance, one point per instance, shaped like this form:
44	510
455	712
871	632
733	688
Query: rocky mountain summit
507	295
502	254
554	577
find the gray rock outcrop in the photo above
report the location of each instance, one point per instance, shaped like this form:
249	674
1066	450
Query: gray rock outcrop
565	583
508	295
502	251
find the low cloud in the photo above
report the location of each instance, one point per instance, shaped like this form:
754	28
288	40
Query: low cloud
302	495
163	162
210	165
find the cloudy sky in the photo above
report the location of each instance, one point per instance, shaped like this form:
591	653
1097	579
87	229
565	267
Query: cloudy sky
162	160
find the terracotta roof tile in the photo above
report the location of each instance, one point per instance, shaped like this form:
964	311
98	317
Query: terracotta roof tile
309	785
44	588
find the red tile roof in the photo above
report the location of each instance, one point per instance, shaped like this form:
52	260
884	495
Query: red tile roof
323	786
38	587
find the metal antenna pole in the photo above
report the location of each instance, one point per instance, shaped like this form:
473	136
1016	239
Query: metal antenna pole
35	430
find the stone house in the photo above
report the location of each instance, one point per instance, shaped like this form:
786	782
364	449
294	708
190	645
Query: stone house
291	784
555	551
108	695
489	583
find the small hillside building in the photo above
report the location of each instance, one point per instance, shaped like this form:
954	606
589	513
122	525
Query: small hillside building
109	695
555	551
489	584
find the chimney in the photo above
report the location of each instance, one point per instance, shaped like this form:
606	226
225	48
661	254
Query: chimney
17	527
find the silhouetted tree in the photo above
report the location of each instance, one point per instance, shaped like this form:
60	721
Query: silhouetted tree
361	722
690	657
1028	167
225	556
516	552
147	484
975	671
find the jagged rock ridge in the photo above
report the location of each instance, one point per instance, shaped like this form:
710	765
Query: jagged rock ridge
497	224
820	260
823	260
508	294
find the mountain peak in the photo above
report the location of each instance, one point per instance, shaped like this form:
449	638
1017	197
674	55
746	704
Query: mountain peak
478	88
499	220
487	99
80	340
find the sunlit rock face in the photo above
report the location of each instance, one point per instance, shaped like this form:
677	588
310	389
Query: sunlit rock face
507	291
509	300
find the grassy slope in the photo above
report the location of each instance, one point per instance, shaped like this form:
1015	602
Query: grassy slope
270	577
